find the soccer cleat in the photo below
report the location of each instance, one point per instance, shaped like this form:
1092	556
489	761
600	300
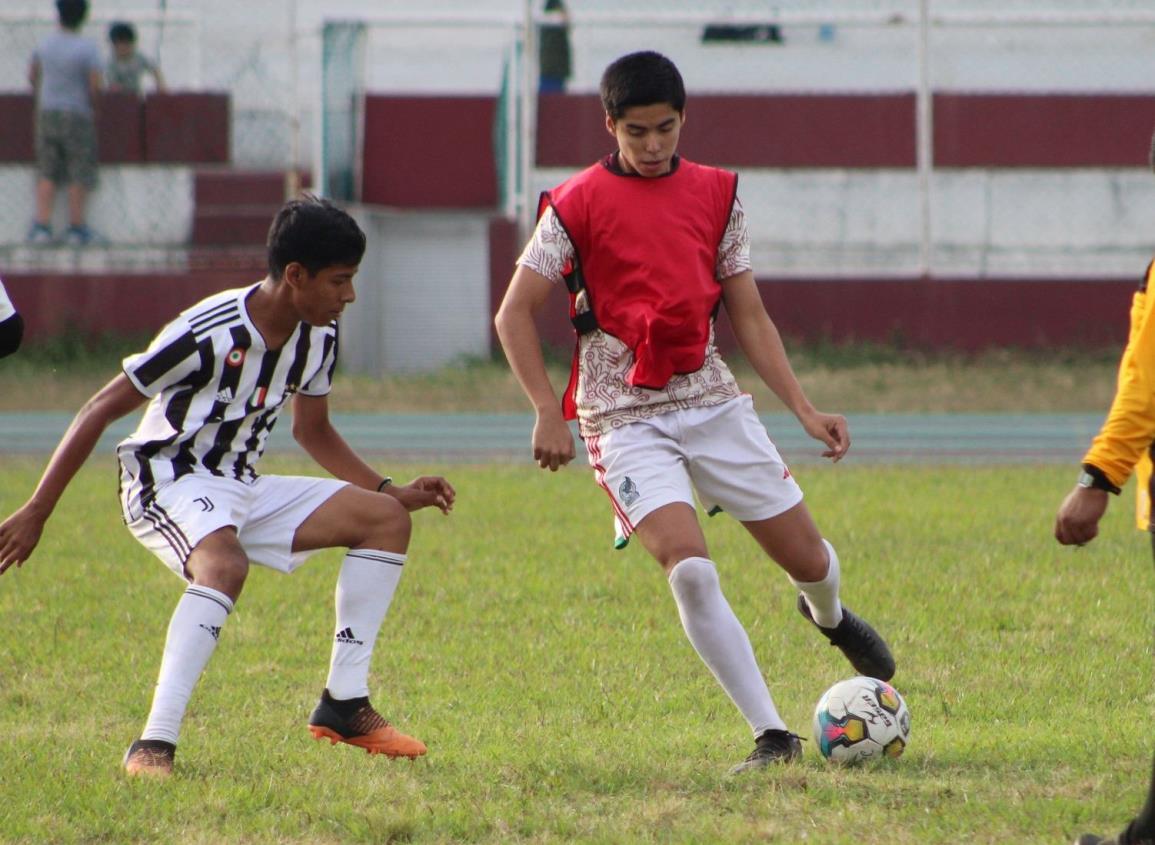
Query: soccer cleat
151	758
771	747
355	722
863	647
1127	837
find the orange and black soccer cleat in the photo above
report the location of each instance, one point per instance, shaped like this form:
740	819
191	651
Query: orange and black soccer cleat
151	758
355	722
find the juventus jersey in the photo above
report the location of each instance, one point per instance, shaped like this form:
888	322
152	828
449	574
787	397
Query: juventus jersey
216	391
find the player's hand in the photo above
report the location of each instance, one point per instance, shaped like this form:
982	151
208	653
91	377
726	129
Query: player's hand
19	535
424	492
1078	519
832	430
552	441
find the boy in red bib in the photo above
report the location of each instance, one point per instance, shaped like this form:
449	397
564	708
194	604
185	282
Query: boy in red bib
650	245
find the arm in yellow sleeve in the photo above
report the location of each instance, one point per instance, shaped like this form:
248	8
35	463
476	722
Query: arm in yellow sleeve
1129	430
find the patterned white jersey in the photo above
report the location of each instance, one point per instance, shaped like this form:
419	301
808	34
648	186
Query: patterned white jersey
605	398
216	391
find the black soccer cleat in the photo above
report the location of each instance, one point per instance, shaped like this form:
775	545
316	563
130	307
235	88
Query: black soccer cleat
863	647
152	758
769	748
1127	837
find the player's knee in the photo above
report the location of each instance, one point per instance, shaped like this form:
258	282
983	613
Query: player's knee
694	579
389	526
224	572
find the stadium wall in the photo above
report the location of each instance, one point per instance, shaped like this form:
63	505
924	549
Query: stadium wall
1037	242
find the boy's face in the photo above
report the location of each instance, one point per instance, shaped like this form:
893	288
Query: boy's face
321	298
123	49
647	138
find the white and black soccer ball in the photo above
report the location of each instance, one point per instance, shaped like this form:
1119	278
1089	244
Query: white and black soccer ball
860	719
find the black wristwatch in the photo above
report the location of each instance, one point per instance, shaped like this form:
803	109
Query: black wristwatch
1094	478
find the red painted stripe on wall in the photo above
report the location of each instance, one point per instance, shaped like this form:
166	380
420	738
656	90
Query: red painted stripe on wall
783	130
429	152
1020	130
956	314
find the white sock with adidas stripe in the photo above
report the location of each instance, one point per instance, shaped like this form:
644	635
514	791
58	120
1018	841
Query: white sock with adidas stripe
365	589
192	637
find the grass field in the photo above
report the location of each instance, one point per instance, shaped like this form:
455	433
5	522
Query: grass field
559	697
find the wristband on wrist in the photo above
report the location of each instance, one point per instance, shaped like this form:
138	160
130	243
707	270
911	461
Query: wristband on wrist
1095	479
385	482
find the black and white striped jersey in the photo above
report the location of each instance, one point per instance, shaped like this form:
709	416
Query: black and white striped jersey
216	391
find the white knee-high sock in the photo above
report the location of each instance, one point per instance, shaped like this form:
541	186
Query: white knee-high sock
822	596
192	637
721	641
365	589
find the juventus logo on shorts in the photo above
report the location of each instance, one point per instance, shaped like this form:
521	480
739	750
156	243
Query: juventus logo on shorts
206	503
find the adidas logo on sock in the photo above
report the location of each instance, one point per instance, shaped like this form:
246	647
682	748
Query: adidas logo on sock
215	630
346	636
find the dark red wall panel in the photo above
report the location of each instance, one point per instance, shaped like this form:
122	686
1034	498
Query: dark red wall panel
186	128
16	115
56	304
1042	130
964	314
120	128
781	130
959	314
429	152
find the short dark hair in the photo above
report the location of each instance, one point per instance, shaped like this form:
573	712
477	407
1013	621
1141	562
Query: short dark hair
71	12
314	233
642	79
120	33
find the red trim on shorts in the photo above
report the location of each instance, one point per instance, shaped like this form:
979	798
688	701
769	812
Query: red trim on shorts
595	453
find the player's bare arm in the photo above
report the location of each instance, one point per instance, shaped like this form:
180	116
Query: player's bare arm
314	431
552	440
20	533
761	343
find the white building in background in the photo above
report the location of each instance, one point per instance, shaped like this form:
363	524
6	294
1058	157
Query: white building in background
822	222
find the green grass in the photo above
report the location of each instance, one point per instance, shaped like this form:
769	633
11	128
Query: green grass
559	697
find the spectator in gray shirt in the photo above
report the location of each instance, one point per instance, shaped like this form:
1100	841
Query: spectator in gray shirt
65	73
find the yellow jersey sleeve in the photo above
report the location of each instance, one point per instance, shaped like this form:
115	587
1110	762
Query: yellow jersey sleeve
1122	445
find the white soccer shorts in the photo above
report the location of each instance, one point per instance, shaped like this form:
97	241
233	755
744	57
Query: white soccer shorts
266	514
721	452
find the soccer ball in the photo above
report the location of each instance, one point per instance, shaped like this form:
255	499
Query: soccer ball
859	719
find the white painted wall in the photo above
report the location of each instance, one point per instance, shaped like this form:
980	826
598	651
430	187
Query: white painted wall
422	292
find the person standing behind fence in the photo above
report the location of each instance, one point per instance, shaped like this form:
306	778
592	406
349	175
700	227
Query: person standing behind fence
65	73
127	67
554	61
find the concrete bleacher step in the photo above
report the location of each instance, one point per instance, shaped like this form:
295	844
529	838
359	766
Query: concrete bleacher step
234	207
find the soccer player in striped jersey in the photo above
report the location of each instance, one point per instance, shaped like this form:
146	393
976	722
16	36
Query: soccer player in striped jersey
215	380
